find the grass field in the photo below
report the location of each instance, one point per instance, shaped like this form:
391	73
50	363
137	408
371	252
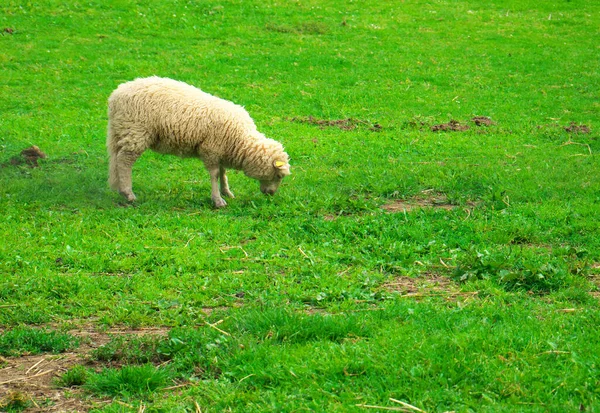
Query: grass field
409	263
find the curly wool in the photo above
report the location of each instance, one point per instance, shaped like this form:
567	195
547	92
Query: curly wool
173	117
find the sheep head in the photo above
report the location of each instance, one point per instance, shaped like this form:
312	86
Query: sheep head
281	169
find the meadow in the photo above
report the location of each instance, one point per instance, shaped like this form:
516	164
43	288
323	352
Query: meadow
436	248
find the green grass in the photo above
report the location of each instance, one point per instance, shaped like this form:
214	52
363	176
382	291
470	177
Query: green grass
76	376
26	340
127	381
297	282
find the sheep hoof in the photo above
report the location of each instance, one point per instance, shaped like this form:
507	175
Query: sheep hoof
129	196
219	203
229	194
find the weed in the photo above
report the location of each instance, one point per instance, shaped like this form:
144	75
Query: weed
511	270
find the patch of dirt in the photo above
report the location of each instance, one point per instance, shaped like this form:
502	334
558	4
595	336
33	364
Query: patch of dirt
428	285
426	199
574	128
343	124
28	156
8	30
483	121
453	125
32	377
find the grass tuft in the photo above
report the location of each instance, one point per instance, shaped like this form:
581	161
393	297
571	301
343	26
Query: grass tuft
133	350
129	381
75	376
27	340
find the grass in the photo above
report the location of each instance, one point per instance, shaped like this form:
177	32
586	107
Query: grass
127	381
26	340
280	303
14	402
76	376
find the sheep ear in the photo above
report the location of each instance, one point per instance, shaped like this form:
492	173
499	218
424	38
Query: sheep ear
283	168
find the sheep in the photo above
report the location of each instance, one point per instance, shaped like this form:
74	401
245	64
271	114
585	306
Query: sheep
172	117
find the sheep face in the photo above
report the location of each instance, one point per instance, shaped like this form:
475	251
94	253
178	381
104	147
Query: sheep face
280	170
270	187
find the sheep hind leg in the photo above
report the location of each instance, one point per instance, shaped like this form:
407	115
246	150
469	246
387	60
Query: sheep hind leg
224	183
124	164
113	150
215	194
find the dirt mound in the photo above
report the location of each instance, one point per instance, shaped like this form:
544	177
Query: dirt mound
453	125
574	128
483	121
28	156
343	124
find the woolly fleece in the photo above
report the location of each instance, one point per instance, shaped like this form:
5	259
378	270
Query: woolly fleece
172	117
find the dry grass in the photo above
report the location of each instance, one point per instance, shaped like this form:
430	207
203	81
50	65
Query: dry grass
427	285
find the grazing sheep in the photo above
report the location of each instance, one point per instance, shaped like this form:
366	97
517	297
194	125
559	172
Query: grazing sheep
175	118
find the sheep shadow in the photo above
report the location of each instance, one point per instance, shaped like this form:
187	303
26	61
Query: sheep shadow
70	182
79	181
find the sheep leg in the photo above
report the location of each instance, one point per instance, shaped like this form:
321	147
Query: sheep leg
113	150
125	161
215	194
224	183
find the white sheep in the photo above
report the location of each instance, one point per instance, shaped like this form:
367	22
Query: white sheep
175	118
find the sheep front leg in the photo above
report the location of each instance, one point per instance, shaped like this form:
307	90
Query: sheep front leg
215	194
224	183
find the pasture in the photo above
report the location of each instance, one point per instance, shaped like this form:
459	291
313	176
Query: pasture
435	249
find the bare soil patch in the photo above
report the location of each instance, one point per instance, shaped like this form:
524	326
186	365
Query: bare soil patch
426	199
453	125
31	377
28	156
483	121
8	30
427	285
574	128
343	124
